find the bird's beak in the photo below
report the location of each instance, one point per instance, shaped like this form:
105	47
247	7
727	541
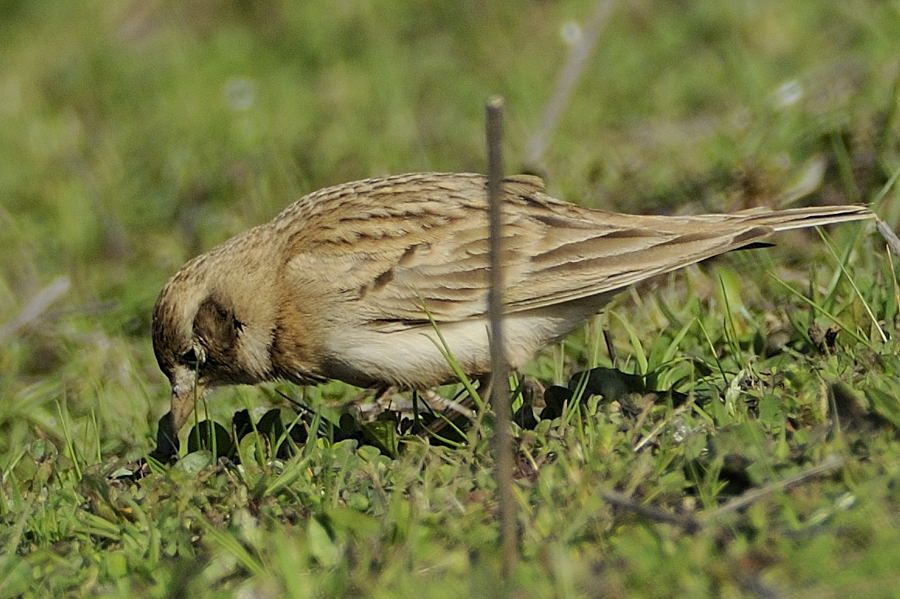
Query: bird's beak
186	390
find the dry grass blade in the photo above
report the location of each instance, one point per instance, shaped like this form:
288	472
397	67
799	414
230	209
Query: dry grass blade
889	236
36	307
565	84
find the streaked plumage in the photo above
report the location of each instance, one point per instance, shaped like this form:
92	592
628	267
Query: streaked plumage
337	285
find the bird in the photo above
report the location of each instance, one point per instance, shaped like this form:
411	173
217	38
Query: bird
371	282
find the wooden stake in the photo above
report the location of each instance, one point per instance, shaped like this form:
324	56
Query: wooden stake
503	457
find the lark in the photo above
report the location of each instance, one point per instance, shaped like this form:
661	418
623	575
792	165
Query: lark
350	282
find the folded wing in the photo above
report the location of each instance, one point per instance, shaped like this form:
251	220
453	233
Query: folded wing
413	243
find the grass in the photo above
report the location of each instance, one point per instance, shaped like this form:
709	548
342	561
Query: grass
135	135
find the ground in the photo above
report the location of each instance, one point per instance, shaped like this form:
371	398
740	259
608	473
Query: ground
134	135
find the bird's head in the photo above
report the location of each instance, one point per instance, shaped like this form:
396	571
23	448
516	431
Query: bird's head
209	329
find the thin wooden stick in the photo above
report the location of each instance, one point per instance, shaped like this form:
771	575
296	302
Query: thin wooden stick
503	458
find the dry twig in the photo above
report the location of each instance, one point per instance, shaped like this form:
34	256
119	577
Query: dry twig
693	524
36	307
566	82
688	523
500	400
751	496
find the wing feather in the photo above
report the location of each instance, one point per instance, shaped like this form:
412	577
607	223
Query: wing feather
417	242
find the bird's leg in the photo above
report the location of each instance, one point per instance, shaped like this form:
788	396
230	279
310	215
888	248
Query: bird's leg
442	404
529	387
466	405
449	410
384	395
381	401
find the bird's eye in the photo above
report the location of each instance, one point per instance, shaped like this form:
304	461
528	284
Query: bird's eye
189	358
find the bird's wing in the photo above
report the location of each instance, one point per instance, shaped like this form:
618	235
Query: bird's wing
399	246
403	245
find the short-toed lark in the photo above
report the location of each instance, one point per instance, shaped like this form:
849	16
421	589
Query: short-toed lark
346	282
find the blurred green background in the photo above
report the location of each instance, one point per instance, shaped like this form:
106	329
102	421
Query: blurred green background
136	134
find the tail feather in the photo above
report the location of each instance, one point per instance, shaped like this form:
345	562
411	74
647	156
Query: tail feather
596	267
800	218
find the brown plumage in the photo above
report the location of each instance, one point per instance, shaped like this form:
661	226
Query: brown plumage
337	285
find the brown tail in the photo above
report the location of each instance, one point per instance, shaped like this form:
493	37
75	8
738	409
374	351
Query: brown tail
799	218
